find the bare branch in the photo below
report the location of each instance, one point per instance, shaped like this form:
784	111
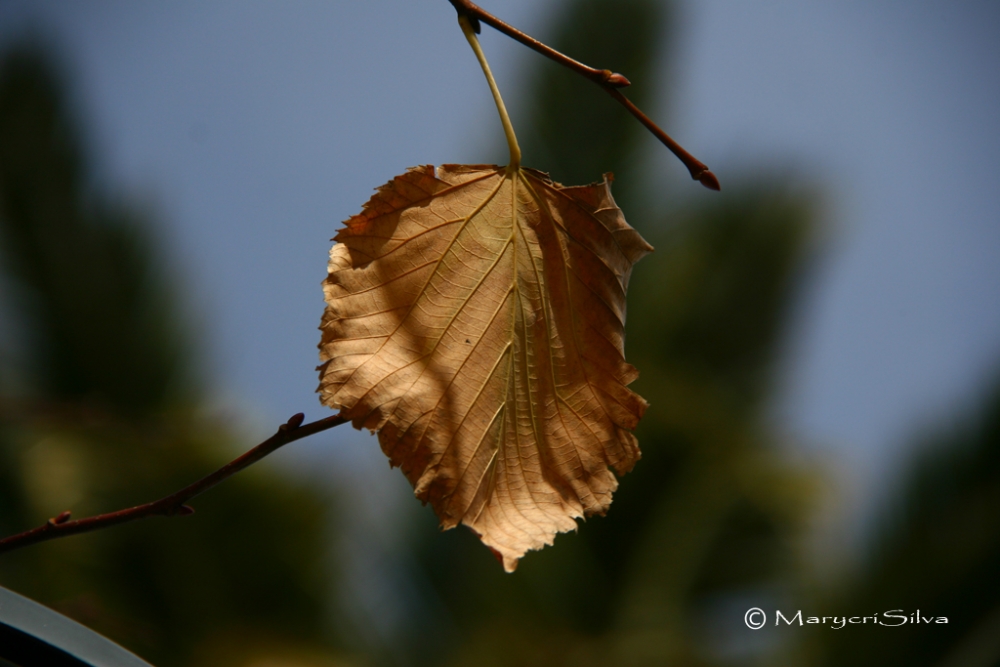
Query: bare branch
605	78
175	503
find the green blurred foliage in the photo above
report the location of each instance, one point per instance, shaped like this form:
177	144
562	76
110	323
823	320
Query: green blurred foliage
937	550
106	414
102	324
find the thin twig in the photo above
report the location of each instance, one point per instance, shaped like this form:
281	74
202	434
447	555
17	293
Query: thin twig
175	503
605	78
699	171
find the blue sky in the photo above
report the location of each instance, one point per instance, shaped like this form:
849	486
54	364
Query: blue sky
252	129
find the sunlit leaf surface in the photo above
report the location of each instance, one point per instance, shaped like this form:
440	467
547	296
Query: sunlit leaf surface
475	320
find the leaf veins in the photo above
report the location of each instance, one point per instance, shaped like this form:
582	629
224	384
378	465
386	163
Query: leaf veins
475	320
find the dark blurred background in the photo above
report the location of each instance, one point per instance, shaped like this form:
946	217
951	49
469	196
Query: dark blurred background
820	343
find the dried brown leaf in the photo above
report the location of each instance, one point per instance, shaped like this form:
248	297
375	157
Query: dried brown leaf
475	320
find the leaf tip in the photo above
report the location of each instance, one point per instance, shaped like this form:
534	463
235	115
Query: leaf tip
509	562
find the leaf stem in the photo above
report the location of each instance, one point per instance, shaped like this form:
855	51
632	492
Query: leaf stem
610	81
508	129
174	504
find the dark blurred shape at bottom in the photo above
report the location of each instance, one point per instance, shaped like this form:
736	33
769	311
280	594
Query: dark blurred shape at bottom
33	636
